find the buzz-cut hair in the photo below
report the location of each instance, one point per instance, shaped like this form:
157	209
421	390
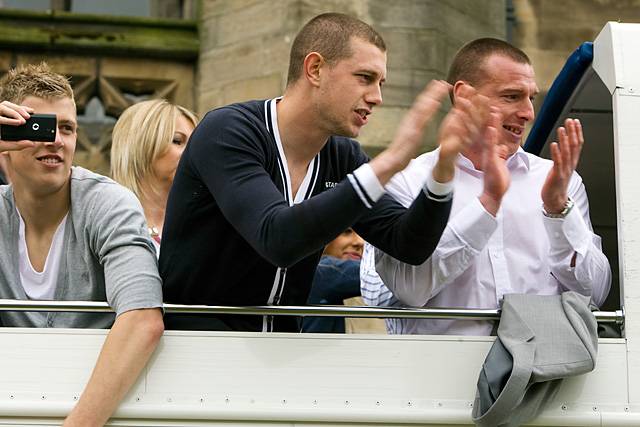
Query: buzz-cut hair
36	80
469	63
329	34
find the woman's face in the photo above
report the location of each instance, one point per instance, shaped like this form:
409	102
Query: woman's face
165	166
348	245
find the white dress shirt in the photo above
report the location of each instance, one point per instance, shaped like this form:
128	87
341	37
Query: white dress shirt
480	258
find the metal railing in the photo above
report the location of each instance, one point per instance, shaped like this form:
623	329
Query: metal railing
292	310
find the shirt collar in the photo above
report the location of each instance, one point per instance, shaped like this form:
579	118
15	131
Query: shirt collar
519	159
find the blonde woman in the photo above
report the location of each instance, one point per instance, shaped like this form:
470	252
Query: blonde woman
148	140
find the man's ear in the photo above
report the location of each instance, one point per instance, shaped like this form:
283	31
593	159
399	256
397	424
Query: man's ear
311	67
457	86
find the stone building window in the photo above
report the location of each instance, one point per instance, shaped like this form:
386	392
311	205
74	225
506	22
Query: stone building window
113	61
94	137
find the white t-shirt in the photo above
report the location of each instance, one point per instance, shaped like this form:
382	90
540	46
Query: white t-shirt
40	285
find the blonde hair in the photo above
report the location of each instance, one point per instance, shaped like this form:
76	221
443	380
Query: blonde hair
33	80
141	135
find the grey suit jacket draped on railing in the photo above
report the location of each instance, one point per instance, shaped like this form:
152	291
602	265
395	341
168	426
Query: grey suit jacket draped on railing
541	340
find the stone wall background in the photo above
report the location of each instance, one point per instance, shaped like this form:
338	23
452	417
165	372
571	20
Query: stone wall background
245	44
245	48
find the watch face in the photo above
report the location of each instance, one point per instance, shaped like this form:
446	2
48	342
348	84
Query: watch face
567	207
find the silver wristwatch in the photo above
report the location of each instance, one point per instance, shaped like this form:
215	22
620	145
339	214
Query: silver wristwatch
567	208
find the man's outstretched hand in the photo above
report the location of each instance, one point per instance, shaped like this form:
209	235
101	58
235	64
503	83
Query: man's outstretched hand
462	126
494	167
408	137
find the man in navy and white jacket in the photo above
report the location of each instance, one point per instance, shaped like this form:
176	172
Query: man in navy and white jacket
264	185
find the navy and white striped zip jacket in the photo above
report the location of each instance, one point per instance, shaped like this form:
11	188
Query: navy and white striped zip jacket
235	235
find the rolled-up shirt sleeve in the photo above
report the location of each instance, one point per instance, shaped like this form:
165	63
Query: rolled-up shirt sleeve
465	236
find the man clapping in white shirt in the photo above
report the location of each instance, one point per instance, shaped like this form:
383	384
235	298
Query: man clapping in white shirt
519	223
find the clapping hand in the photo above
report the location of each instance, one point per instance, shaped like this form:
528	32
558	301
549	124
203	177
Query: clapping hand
565	155
462	127
496	174
408	137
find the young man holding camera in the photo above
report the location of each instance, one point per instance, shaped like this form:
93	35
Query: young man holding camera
70	234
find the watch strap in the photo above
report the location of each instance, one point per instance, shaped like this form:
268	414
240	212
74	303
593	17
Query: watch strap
568	205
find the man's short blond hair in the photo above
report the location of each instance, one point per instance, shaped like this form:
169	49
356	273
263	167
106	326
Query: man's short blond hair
141	135
36	80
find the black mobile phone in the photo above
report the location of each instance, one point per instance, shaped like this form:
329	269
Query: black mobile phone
39	127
